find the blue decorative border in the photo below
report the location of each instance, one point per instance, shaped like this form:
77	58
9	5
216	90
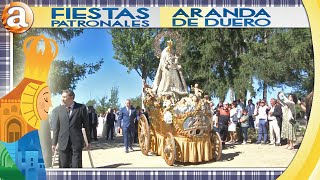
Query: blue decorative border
165	174
4	58
161	3
143	174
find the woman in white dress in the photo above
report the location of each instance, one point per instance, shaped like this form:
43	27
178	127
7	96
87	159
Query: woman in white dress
232	124
100	125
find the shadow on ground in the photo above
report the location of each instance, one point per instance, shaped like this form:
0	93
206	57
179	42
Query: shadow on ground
115	165
229	156
229	146
102	143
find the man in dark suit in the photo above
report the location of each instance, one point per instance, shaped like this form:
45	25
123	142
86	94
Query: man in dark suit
67	131
93	122
126	118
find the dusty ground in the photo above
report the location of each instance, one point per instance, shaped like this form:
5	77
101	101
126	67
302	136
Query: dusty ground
110	154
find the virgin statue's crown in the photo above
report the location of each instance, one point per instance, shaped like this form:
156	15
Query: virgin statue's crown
39	54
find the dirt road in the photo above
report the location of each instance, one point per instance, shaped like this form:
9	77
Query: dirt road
110	154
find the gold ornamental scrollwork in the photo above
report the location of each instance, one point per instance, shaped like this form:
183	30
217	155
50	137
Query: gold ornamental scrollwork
173	34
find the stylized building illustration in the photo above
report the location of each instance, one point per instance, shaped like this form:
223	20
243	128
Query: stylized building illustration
31	164
12	125
19	110
27	155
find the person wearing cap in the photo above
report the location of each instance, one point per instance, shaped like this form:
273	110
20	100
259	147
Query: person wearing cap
223	121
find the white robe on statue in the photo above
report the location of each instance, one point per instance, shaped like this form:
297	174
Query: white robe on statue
169	78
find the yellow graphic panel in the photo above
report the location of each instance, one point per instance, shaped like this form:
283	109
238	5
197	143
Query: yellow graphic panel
35	103
22	109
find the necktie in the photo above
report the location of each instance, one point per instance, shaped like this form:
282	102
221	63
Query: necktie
68	110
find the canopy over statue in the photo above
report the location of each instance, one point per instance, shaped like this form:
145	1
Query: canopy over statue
169	79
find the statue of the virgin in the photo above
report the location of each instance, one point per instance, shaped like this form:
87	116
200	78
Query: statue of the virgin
169	79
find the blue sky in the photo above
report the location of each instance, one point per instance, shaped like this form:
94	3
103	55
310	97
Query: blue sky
95	44
91	46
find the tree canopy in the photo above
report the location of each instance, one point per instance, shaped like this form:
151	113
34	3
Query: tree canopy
133	49
65	74
223	59
103	103
136	101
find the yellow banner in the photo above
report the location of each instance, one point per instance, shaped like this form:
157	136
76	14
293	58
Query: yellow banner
168	17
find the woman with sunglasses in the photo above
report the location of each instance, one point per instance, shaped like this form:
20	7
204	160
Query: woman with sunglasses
261	115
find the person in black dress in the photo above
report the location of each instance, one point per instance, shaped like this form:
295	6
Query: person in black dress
111	119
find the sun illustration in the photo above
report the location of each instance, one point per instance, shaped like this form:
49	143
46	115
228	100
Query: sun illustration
35	103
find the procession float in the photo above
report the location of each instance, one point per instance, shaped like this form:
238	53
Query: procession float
179	123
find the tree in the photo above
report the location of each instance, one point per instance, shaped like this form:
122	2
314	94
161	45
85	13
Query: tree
137	101
211	58
66	74
281	57
299	60
262	58
91	102
223	59
104	103
114	99
133	49
102	106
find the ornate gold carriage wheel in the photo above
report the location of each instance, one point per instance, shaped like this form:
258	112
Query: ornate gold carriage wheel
169	149
144	134
216	145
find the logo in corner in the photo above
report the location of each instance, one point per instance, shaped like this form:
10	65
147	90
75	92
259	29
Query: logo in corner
17	17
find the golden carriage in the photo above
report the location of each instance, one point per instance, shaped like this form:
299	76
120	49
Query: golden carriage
179	127
179	132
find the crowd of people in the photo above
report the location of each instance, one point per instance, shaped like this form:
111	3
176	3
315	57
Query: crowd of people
273	122
71	120
114	121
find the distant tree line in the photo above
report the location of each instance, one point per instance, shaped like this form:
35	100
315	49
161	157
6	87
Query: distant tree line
220	60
